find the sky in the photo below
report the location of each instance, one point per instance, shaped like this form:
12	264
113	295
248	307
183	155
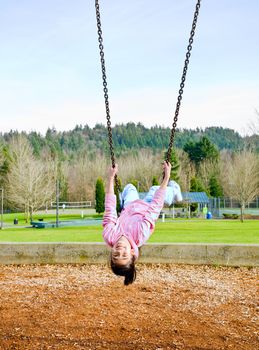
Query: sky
51	75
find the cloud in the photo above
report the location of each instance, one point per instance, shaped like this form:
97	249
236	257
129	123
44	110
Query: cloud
227	106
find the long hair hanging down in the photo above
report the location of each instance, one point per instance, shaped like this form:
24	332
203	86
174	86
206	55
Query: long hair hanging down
128	271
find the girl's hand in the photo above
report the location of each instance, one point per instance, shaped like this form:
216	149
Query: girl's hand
112	171
167	170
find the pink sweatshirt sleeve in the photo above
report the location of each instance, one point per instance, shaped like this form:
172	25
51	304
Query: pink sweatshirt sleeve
109	218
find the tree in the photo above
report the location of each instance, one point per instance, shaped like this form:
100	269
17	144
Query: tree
186	171
3	164
208	173
253	139
215	188
99	196
240	178
81	175
174	160
201	150
196	185
254	125
141	167
30	183
155	181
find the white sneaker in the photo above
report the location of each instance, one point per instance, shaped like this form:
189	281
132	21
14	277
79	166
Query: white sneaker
177	194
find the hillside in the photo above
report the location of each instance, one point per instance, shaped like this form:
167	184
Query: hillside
128	136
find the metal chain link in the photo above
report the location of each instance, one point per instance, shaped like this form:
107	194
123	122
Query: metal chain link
185	68
105	90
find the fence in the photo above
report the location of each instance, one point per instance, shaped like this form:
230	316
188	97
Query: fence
219	205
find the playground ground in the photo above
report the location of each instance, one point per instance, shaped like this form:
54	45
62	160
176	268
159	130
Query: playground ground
67	307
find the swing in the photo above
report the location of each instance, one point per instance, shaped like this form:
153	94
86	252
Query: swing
180	94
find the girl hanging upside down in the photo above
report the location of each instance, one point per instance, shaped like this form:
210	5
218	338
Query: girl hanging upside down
125	234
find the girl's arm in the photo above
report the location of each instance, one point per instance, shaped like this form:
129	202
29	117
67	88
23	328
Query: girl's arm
110	183
110	214
167	173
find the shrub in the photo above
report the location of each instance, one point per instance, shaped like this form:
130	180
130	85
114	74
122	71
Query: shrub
99	196
230	216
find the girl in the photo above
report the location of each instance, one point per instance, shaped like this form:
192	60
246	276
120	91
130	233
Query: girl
125	234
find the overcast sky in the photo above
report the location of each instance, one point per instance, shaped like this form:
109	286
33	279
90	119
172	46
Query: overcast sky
50	71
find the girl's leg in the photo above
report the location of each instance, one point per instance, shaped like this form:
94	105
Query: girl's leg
177	197
129	194
149	196
173	193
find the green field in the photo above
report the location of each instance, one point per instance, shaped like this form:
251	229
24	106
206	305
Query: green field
9	218
189	231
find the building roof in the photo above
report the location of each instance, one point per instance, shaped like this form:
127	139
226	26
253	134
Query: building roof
191	197
195	197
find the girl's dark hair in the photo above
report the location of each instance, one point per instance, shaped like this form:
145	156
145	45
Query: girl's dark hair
128	271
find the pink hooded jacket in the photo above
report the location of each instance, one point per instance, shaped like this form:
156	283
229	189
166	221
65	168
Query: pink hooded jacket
136	222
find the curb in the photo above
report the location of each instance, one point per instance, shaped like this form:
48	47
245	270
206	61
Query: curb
95	253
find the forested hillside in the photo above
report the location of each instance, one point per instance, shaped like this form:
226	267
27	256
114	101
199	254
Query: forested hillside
211	160
127	137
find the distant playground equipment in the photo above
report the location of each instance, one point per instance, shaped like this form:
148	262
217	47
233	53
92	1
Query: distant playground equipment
71	205
65	223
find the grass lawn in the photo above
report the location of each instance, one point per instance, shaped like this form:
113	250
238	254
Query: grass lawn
9	218
192	231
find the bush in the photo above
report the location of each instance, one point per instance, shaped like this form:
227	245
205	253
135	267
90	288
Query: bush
193	207
230	216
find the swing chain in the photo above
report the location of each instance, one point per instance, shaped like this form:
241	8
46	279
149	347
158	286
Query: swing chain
180	93
183	78
105	90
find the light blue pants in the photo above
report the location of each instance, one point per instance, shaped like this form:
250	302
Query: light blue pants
130	194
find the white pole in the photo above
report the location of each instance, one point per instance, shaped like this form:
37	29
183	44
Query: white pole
163	217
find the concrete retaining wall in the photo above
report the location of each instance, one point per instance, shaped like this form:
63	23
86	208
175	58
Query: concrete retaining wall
179	253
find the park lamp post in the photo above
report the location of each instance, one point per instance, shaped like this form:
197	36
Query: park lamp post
2	207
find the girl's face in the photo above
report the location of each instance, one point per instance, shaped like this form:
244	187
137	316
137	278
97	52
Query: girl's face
122	252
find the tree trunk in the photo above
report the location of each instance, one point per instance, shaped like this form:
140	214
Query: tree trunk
242	209
30	211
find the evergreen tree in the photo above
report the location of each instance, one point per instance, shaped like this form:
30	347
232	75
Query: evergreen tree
196	185
155	181
174	160
5	161
201	150
99	196
215	188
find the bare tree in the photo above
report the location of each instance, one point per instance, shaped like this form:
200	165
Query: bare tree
141	167
81	176
240	177
30	182
254	124
207	169
186	171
